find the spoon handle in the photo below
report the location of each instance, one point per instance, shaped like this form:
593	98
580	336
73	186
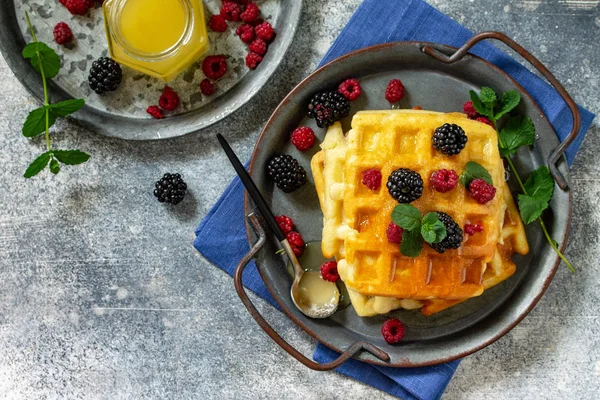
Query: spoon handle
252	189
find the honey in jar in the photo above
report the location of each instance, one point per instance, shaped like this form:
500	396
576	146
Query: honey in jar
160	38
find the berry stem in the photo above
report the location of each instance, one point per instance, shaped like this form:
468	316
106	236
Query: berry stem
46	95
543	226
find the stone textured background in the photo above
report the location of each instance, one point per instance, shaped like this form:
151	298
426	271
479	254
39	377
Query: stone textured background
103	297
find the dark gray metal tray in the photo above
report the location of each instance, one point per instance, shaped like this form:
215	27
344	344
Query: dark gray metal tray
122	113
437	83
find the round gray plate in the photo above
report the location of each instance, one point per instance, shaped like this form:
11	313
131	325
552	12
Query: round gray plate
464	328
122	113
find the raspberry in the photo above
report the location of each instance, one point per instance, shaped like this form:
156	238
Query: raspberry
350	88
285	223
155	112
217	23
371	178
246	33
251	13
256	22
207	87
392	330
394	233
214	67
482	191
252	60
78	7
258	46
394	91
303	138
485	121
230	11
90	3
469	109
472	229
444	180
329	271
417	108
62	33
241	2
169	100
296	241
265	31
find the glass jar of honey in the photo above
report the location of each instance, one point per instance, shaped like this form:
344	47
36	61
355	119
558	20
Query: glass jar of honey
157	37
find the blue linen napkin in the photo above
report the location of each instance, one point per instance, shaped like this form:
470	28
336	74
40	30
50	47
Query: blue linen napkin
373	23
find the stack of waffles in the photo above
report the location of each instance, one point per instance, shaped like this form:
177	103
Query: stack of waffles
378	277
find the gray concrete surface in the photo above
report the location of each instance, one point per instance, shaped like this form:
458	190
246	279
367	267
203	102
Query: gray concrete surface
103	297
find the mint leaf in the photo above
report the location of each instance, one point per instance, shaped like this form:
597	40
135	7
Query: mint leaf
539	187
37	165
412	243
54	167
406	217
71	157
488	97
510	100
36	122
432	229
530	208
540	184
66	107
40	54
479	106
473	171
519	131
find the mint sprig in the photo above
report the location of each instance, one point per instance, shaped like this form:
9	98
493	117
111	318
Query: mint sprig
417	228
45	61
519	131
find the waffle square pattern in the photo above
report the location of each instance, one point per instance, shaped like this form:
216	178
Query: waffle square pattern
378	277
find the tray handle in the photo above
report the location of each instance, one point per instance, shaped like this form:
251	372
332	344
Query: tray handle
560	150
239	287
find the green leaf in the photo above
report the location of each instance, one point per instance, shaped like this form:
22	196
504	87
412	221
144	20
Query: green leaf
540	184
472	171
488	97
412	243
479	106
531	208
510	100
539	187
432	229
407	217
71	157
37	165
54	167
36	122
66	107
40	54
519	131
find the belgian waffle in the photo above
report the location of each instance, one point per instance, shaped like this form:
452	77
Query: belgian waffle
355	218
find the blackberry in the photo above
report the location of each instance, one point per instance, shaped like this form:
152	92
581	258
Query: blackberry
170	189
287	173
105	75
454	235
327	108
450	139
405	185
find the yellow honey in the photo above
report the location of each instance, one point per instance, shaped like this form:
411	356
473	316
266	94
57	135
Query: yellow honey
160	38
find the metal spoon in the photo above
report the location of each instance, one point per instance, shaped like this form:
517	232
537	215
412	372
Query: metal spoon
310	310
